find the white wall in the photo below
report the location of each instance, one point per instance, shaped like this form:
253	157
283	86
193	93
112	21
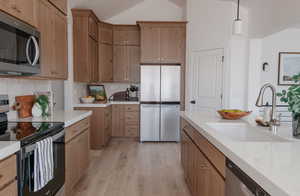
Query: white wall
271	16
149	10
210	27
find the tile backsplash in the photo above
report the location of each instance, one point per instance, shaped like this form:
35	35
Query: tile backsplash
17	87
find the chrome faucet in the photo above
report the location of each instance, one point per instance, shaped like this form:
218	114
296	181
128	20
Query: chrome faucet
274	123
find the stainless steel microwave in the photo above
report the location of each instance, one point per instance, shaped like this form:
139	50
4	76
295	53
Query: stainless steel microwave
19	47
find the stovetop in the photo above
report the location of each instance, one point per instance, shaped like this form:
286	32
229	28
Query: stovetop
28	132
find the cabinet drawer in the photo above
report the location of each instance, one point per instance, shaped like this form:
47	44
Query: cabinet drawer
132	108
76	129
131	131
131	116
211	152
10	190
8	171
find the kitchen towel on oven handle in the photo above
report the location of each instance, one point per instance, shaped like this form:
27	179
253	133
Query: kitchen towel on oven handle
43	163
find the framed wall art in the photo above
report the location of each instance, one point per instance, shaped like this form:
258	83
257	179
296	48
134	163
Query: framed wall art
289	65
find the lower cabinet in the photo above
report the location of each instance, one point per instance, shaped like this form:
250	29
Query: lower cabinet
8	175
101	126
125	120
77	154
202	177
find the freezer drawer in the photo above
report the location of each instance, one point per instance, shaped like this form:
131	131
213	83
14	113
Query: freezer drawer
170	83
150	83
170	123
150	122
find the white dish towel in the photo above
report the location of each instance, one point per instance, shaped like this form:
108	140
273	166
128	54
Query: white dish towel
43	163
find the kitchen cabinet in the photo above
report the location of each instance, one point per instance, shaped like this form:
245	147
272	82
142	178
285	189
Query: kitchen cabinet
201	172
53	28
85	46
163	42
126	64
61	5
101	126
76	148
23	10
8	173
105	62
126	121
105	33
126	35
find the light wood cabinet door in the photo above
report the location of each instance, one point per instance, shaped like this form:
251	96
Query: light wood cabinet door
120	64
93	27
118	121
61	5
134	55
10	190
172	44
83	144
105	62
127	35
23	10
72	165
93	60
45	26
150	45
105	33
60	31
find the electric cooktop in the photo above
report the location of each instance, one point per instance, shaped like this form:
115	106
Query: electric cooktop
28	132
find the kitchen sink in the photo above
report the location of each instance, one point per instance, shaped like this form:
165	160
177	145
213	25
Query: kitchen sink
245	132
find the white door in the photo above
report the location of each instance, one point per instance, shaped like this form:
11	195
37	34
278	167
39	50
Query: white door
205	84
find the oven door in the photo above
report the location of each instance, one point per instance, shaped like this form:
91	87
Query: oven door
19	49
27	172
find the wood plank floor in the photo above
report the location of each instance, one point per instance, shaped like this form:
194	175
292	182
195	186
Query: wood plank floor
128	168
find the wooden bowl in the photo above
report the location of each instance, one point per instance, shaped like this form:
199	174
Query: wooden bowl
233	115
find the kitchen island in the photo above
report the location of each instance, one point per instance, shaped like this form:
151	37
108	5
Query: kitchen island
273	162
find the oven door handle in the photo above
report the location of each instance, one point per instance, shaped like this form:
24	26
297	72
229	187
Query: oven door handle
32	147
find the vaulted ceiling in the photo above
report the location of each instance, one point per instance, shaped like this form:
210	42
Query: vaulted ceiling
106	9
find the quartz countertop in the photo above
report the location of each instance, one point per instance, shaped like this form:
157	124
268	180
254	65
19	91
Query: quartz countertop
68	117
274	165
96	105
8	148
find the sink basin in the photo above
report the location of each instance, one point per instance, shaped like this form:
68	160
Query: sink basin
245	132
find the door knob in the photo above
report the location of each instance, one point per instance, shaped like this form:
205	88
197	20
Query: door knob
193	102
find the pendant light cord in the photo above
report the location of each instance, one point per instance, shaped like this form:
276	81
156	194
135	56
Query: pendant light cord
238	10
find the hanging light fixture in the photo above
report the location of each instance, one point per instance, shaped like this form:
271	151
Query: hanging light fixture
238	23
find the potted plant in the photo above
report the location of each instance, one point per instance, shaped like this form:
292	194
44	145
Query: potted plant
291	96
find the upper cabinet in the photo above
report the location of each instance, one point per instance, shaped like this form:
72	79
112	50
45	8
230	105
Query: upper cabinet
54	52
126	35
163	42
85	46
105	52
61	5
21	9
105	33
126	56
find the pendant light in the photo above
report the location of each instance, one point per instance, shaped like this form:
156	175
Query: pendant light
238	23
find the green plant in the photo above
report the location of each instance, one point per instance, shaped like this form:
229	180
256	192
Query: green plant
43	101
291	96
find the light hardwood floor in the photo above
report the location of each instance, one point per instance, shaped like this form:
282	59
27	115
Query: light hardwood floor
129	168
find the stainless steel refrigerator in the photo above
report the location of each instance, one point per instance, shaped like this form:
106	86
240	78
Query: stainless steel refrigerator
160	103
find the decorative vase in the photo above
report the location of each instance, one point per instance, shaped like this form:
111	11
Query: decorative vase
296	125
37	110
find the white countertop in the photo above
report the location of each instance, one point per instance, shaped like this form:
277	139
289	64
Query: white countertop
8	148
68	117
96	105
272	164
